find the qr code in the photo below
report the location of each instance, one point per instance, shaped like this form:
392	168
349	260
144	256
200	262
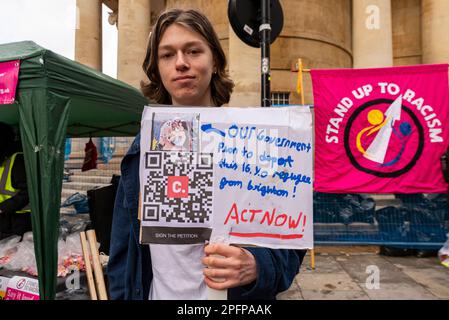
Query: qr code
178	187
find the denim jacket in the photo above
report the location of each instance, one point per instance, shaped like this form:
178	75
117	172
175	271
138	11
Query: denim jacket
129	269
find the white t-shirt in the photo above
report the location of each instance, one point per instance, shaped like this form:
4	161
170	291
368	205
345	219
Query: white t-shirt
177	272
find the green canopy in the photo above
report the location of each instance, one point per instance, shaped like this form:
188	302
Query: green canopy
57	97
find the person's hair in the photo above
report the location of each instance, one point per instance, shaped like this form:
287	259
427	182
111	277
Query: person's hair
221	85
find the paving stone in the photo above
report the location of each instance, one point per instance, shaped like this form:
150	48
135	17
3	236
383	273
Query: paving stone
334	295
291	294
343	277
323	264
414	262
399	291
341	259
436	282
356	267
339	250
326	282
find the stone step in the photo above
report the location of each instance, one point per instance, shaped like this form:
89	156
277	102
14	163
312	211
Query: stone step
114	166
81	153
109	166
385	200
94	179
94	172
100	171
79	161
81	186
381	205
73	164
114	159
382	196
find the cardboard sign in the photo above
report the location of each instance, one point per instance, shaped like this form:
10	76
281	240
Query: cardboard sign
241	174
9	76
22	288
3	285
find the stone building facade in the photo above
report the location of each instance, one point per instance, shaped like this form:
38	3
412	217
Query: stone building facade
323	33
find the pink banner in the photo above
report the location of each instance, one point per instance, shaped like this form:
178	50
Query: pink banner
22	288
9	76
381	130
13	294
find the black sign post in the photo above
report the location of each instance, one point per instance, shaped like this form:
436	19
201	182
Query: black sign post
265	33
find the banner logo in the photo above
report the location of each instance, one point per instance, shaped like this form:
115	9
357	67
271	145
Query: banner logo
21	283
384	138
178	187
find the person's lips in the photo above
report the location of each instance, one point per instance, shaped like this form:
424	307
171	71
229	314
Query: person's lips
183	78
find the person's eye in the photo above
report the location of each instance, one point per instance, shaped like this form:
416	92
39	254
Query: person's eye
166	55
194	51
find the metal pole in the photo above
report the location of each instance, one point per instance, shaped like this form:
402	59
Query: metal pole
265	36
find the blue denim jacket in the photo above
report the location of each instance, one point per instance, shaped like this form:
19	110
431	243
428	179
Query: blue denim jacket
129	269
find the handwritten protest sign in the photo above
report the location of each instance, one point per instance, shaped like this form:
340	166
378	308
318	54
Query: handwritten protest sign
243	174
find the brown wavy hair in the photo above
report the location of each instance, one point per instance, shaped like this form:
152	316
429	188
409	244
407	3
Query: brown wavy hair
221	84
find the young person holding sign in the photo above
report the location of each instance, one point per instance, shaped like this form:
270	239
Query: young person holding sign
185	65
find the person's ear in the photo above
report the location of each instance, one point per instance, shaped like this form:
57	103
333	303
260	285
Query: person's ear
214	68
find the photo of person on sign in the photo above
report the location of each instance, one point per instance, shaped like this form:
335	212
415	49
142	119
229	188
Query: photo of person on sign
172	134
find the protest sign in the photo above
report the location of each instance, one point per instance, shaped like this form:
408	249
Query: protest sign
244	174
9	76
381	130
3	285
22	288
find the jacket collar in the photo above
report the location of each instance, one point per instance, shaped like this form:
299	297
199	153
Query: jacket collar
135	146
130	172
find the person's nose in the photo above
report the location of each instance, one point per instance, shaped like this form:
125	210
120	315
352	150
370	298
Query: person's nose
182	63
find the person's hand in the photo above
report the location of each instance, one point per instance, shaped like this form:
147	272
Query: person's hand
236	266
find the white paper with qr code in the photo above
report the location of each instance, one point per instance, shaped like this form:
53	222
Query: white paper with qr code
241	173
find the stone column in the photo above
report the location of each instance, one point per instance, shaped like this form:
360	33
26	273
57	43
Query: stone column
372	33
307	34
134	26
88	39
435	33
244	69
406	22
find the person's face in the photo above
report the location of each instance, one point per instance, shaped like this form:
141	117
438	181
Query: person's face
185	64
